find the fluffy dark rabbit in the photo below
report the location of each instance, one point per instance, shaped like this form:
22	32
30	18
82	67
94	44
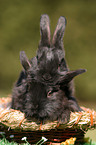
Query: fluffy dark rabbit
44	90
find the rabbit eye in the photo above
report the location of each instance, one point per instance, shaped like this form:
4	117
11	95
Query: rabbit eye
62	65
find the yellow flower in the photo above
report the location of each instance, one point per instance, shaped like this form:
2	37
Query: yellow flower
69	141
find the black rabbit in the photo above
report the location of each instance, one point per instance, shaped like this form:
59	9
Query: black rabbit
44	90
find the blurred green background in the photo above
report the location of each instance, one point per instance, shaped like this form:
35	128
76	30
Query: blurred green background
19	30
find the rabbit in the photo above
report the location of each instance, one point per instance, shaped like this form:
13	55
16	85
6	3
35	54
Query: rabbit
56	47
44	90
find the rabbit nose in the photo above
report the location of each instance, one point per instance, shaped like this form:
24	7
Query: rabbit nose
47	76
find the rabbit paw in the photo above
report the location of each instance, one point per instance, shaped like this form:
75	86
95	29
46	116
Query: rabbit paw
65	117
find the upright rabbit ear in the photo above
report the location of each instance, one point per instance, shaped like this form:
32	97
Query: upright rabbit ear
24	60
70	75
45	31
59	33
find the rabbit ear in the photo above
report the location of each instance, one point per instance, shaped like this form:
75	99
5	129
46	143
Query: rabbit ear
59	33
70	75
45	31
24	60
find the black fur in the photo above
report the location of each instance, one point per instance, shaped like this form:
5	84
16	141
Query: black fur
44	90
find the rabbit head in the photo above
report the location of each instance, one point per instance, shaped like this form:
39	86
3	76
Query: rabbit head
47	70
56	45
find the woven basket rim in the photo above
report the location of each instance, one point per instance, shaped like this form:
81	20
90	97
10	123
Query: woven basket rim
16	120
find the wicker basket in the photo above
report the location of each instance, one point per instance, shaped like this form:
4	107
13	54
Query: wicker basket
53	136
12	122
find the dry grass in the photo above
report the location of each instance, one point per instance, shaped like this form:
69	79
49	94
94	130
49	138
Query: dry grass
15	120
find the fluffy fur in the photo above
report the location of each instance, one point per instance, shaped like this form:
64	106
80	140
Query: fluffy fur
44	90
